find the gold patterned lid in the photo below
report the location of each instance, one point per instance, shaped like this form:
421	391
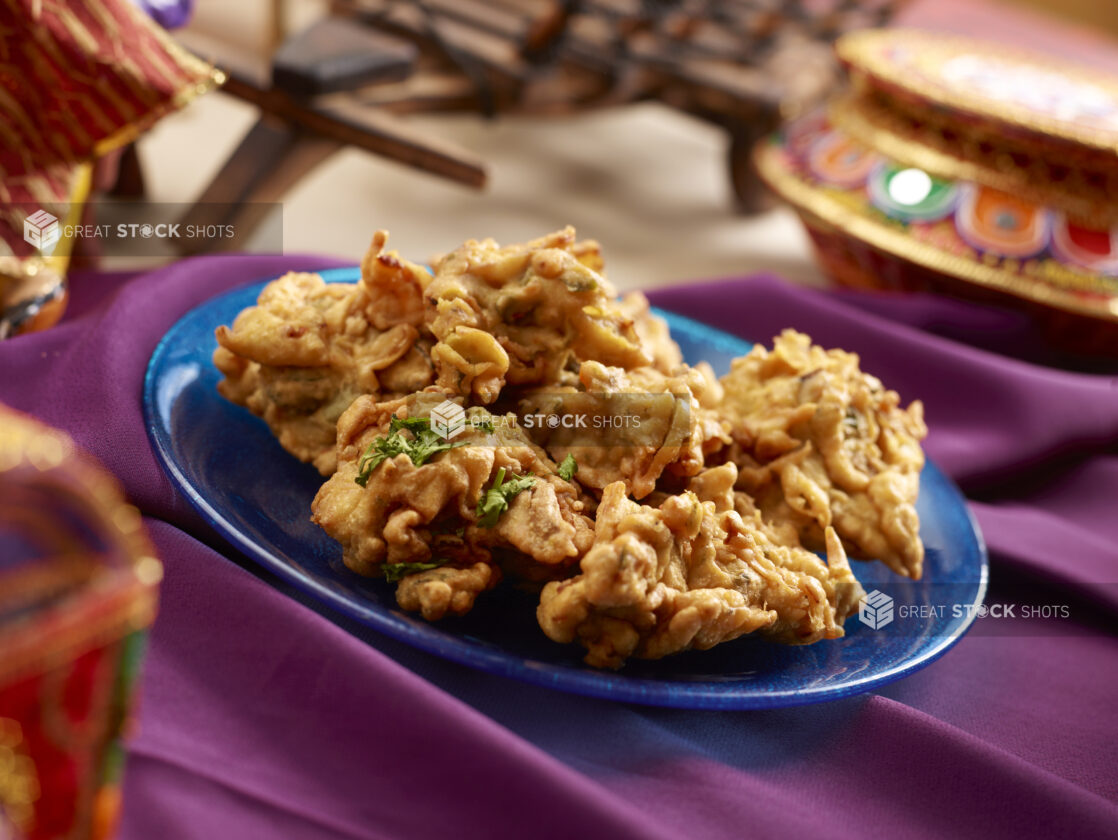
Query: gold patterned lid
979	235
1086	192
963	109
1029	95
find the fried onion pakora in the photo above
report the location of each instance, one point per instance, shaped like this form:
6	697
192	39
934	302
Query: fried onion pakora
693	525
412	508
687	575
309	348
523	315
638	425
821	444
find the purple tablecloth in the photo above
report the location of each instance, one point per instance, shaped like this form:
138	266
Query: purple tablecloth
262	718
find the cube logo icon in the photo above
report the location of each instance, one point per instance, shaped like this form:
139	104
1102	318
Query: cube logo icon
448	419
875	610
40	230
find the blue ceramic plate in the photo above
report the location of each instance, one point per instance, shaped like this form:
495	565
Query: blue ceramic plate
258	498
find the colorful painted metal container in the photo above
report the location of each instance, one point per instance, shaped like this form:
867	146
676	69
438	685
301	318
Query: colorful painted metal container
956	166
78	588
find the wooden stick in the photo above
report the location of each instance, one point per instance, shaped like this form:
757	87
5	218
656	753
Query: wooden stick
352	124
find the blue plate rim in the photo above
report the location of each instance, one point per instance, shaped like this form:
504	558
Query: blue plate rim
429	638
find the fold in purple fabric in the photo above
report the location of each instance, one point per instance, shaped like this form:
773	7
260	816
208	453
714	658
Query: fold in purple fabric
262	717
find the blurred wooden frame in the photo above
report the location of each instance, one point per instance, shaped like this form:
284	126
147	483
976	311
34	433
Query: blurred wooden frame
740	64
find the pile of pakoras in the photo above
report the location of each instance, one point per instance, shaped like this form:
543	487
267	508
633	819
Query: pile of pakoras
694	529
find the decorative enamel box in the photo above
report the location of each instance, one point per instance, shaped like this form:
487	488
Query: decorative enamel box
78	586
968	168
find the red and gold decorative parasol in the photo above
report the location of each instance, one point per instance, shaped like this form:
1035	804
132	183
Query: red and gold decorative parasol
78	79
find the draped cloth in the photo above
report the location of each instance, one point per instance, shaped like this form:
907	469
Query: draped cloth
264	715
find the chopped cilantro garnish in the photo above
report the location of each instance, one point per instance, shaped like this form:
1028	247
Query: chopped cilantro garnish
414	424
420	447
397	571
568	467
495	501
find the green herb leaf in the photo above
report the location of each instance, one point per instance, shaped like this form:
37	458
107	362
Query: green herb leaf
397	571
495	501
413	424
420	447
568	467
